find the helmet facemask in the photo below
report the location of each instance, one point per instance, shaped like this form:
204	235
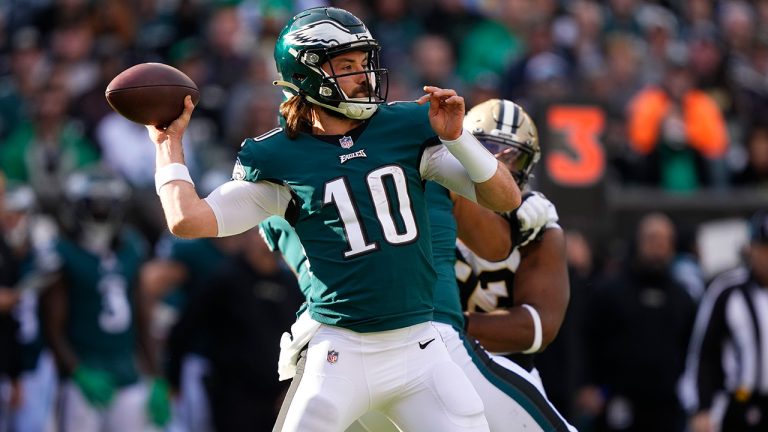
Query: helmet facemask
519	159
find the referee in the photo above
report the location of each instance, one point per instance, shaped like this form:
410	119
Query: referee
725	384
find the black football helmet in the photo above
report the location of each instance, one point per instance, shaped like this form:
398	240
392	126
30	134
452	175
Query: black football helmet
95	203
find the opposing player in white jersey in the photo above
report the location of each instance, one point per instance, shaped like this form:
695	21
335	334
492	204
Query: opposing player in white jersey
515	297
513	265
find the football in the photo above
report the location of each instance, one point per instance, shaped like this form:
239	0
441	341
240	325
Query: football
151	93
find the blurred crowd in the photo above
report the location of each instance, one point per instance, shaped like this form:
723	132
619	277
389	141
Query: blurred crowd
684	89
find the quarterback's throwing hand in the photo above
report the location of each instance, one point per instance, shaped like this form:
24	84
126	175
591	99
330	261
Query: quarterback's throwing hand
446	111
176	129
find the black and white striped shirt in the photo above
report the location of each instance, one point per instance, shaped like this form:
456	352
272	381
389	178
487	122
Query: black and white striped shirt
728	351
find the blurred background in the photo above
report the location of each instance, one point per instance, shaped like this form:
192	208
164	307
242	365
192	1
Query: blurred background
643	107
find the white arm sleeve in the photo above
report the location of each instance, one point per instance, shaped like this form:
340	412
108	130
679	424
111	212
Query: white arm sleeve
241	205
439	165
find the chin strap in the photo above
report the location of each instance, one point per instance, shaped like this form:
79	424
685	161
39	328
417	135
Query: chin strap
352	110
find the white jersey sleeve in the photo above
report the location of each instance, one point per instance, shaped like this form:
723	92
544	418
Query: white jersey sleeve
241	205
440	166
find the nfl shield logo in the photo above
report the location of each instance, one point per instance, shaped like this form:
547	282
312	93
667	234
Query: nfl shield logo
346	142
333	356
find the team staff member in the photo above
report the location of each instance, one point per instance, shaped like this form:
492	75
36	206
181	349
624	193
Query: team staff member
725	384
373	279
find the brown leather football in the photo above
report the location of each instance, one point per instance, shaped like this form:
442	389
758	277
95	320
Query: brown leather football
151	93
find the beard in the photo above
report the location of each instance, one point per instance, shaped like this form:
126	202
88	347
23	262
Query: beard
363	90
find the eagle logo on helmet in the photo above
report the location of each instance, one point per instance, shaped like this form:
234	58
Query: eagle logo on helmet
326	33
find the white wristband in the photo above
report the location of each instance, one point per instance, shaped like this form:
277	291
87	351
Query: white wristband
476	159
537	332
171	172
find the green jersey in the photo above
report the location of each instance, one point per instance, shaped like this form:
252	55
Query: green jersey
360	215
443	225
100	325
279	235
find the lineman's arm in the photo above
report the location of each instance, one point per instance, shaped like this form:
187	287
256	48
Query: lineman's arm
484	231
494	186
55	304
232	208
541	281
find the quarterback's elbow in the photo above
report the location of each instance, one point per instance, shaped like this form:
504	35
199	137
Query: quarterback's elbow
190	219
184	227
180	228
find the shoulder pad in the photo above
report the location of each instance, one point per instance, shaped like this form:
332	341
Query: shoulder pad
256	154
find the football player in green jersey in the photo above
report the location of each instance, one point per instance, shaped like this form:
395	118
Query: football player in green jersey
347	170
23	230
513	398
92	320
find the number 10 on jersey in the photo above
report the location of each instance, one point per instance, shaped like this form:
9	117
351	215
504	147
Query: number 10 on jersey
338	192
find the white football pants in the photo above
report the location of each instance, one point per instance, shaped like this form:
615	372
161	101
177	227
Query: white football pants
126	412
36	412
510	394
407	374
514	399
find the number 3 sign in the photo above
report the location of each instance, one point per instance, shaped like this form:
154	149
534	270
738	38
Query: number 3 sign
582	162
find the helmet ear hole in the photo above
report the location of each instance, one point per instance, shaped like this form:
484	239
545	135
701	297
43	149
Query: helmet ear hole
299	77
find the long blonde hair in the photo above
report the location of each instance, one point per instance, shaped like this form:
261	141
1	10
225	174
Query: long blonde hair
297	113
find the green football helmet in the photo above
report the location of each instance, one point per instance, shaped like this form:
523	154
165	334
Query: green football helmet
312	38
508	132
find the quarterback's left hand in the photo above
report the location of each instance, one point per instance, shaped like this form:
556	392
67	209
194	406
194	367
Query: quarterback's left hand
534	212
446	112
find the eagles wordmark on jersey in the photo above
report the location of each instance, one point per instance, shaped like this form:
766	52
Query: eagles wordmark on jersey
361	216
